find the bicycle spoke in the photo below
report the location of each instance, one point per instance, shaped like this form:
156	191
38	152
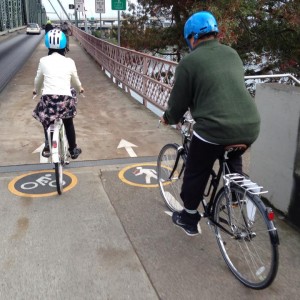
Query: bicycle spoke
249	253
170	166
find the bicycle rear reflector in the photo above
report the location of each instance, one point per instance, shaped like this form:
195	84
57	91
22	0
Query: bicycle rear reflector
54	144
270	214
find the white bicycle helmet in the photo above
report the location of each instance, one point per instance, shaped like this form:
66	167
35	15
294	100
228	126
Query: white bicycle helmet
55	39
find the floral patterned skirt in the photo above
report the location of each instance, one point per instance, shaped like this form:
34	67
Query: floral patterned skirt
52	107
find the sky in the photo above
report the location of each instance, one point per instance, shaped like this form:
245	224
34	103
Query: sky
89	6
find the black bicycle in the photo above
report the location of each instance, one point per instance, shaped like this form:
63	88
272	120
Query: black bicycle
243	225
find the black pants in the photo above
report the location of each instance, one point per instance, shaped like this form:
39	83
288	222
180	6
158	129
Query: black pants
200	161
70	133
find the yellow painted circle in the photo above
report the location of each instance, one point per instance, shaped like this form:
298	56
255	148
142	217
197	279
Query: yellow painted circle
13	190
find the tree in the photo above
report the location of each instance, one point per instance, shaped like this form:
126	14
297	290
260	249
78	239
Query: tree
272	30
255	28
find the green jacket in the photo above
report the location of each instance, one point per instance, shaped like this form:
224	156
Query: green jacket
210	82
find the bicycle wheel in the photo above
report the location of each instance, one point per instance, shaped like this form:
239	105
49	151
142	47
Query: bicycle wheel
170	169
59	167
59	177
250	245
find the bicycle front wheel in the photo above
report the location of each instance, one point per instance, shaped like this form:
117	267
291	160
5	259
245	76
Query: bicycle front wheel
59	177
248	239
170	169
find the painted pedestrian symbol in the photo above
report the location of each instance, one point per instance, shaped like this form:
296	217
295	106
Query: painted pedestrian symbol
148	174
142	175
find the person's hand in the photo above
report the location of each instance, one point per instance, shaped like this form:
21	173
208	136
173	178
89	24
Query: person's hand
163	121
34	94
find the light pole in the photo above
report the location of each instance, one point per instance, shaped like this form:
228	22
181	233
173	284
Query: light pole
75	13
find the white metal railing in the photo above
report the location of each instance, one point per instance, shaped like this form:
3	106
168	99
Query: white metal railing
273	76
150	77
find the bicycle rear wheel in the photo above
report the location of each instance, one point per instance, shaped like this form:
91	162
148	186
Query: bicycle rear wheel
249	245
59	177
170	169
59	167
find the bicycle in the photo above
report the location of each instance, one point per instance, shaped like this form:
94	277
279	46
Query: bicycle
59	148
243	225
59	153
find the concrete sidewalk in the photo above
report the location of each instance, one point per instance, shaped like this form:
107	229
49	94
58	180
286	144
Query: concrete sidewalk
73	246
68	247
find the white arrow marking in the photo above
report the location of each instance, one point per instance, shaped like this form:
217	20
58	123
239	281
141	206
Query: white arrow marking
128	147
40	150
169	213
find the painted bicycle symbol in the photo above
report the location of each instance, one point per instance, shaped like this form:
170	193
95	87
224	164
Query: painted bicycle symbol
40	184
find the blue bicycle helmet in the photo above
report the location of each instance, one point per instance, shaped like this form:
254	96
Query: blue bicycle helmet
199	24
55	39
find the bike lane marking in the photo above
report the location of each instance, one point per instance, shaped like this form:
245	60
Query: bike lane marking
40	184
141	175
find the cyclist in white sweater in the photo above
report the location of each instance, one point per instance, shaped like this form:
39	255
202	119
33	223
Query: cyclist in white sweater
58	82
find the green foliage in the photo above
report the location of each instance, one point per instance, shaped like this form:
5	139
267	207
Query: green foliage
269	28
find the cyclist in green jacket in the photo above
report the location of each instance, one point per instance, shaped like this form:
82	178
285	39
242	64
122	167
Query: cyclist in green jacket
209	82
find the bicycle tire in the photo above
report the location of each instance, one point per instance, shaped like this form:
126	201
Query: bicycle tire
59	177
59	167
251	250
170	188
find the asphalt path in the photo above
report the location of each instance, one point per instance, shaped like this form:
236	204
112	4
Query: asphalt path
14	52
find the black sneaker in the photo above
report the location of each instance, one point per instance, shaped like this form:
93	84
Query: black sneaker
75	153
188	222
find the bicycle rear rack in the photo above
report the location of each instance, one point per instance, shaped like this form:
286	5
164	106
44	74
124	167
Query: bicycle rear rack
245	183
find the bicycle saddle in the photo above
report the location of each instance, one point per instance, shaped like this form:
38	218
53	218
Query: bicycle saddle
235	150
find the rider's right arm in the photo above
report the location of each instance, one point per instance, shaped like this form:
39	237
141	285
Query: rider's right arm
75	82
38	81
180	98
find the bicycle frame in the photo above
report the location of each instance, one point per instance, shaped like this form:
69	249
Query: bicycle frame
57	140
215	178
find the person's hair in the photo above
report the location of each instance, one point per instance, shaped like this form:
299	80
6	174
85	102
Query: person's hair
59	51
214	34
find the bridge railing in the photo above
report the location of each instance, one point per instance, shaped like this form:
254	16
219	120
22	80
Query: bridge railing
150	77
